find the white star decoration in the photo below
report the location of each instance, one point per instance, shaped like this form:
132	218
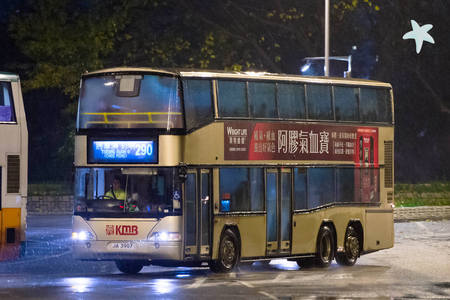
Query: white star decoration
420	34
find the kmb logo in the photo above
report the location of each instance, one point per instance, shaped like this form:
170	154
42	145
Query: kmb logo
121	230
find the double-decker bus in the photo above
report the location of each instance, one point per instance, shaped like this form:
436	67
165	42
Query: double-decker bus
13	167
186	167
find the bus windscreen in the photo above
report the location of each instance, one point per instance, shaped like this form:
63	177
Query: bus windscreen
129	101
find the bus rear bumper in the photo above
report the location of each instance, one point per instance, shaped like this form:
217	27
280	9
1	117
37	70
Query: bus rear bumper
141	250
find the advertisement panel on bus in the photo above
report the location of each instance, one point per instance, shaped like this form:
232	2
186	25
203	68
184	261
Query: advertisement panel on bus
276	141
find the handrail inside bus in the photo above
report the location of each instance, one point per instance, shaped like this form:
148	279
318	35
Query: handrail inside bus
149	114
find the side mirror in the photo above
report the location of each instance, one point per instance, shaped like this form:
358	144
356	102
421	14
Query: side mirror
182	175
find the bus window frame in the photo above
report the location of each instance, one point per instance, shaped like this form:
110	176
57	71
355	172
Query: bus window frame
12	99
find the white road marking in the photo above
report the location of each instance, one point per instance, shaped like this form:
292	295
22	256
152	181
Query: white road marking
279	278
302	279
197	283
269	295
247	284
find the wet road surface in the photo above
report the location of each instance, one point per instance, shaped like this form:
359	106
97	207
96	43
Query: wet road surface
417	267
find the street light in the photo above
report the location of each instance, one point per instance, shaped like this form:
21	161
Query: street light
348	59
306	66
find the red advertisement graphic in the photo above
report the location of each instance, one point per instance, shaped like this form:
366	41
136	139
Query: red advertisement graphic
367	188
367	147
278	141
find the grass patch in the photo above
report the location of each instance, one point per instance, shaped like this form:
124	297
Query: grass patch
422	194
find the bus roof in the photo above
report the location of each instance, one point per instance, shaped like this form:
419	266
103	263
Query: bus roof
9	76
215	74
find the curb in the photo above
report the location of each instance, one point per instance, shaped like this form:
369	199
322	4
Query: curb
421	213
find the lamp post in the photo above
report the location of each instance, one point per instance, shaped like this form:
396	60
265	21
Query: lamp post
327	49
327	38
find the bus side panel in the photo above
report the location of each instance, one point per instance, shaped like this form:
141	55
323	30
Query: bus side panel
10	237
306	227
252	232
304	233
379	230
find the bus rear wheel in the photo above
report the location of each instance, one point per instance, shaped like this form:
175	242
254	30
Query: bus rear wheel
228	253
351	249
324	248
129	266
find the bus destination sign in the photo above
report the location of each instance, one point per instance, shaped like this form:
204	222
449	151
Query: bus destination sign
123	151
274	141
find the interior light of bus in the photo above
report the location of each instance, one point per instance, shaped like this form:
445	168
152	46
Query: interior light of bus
165	237
83	235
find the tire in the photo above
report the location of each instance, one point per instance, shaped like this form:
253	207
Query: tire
324	248
228	254
129	266
351	249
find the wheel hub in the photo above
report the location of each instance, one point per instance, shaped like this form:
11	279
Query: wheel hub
228	253
325	249
353	246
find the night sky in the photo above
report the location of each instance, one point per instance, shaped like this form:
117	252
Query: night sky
401	42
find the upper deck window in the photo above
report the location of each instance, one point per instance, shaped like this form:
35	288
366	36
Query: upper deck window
232	99
198	103
129	101
320	106
6	103
375	105
346	103
291	101
262	100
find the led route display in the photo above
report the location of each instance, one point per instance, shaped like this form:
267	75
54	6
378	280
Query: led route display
143	151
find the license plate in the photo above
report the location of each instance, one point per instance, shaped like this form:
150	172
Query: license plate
121	246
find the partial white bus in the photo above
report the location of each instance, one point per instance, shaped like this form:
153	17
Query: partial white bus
13	167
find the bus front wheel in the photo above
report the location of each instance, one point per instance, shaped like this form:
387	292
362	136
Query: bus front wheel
351	249
129	266
324	248
228	253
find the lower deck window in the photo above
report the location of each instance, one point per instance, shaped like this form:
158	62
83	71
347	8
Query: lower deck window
241	189
315	187
245	190
320	186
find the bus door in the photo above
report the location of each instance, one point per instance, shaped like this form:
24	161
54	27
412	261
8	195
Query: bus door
278	193
198	215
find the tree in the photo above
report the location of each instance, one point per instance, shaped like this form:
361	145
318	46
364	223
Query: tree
64	38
